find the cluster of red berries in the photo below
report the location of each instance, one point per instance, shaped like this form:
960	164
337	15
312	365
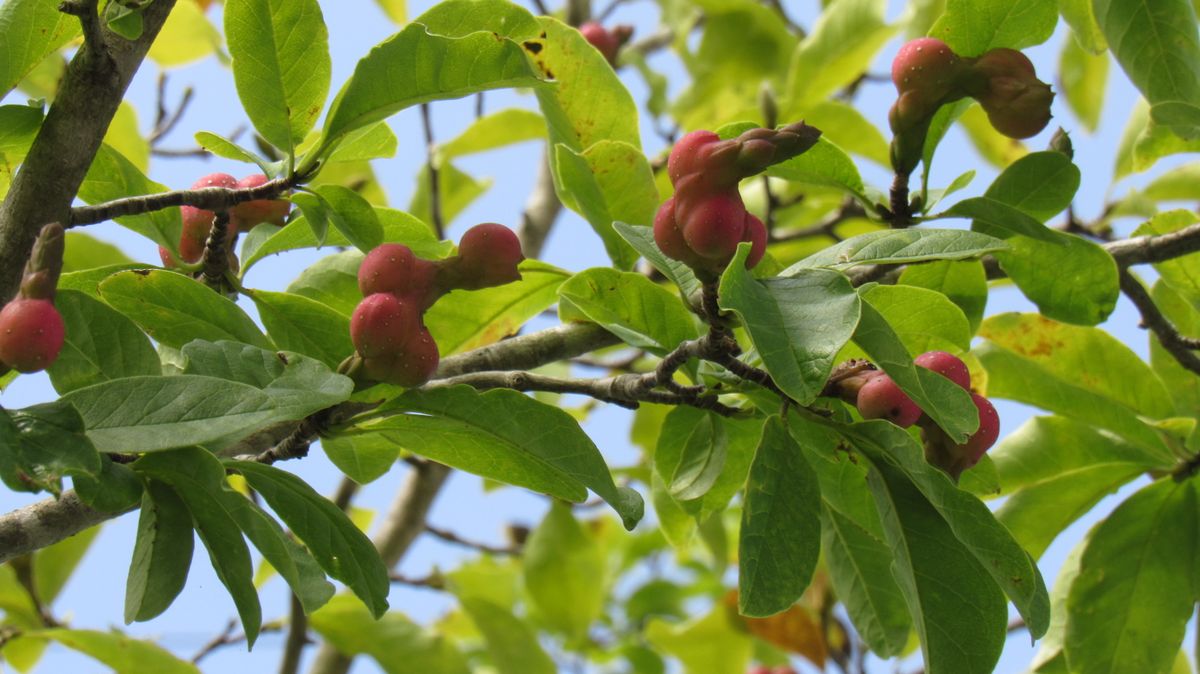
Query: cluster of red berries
388	328
607	41
31	329
197	222
878	397
928	74
703	223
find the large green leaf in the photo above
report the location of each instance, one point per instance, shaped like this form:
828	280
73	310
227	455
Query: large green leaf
1083	80
797	324
174	309
198	479
1081	17
1181	273
1159	49
32	29
779	541
413	67
1135	591
112	176
642	240
121	653
456	18
495	130
841	45
945	402
304	325
487	434
42	443
924	320
1017	378
363	458
824	164
1054	470
972	27
710	644
609	182
399	645
1183	384
512	645
101	344
281	65
962	282
564	573
162	553
630	306
691	452
892	450
342	550
900	246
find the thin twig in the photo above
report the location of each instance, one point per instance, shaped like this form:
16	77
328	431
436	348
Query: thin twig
89	18
225	638
165	125
828	227
435	188
214	199
451	537
1178	345
430	582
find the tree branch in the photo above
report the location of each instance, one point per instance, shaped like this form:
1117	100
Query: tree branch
50	176
451	537
1155	248
1168	335
215	199
45	523
541	211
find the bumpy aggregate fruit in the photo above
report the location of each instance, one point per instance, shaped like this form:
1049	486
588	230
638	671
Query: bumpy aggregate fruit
411	364
882	398
251	213
946	364
383	323
714	225
490	254
926	64
989	430
392	268
31	334
197	222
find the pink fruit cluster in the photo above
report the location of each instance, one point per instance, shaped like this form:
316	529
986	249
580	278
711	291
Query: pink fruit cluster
881	398
703	223
197	222
607	41
928	74
32	331
388	327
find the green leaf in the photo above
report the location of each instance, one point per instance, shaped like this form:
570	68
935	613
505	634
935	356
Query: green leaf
456	190
630	306
112	176
352	215
162	553
19	125
456	18
1158	48
114	489
396	10
961	632
1135	591
1090	357
125	137
1017	378
362	458
174	309
564	573
32	30
487	434
398	227
227	149
198	478
186	36
493	131
101	345
823	164
341	549
860	568
691	452
923	319
797	324
1054	470
399	645
947	404
85	252
1079	15
297	323
780	534
125	655
900	246
297	386
964	283
1144	142
1183	384
462	321
847	128
1177	184
512	645
610	181
42	443
972	27
281	65
642	240
413	67
147	414
1181	273
709	644
993	146
972	523
1083	77
999	219
841	45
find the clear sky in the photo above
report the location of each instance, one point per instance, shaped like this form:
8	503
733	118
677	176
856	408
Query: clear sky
94	598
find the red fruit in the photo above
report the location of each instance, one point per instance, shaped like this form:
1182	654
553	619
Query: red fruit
688	154
392	268
926	64
603	40
756	234
197	222
251	213
412	365
668	235
490	253
31	334
713	226
384	324
989	430
948	365
1006	85
881	398
165	256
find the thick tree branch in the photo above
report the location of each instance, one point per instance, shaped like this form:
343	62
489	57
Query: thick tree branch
1168	335
45	523
50	176
1144	249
